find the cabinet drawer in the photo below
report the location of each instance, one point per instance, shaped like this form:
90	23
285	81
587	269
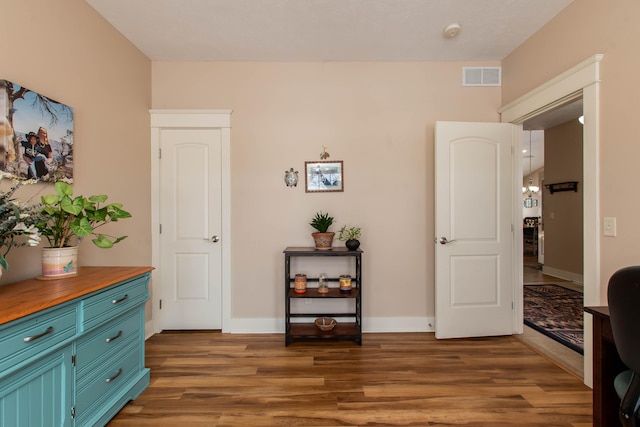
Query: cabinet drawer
22	339
101	345
109	304
107	381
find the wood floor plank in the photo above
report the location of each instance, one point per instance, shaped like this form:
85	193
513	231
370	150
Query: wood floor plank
407	379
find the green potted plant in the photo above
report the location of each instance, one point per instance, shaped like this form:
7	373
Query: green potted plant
323	237
350	236
17	223
68	219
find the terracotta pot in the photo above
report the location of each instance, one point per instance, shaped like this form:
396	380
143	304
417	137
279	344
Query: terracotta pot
59	262
323	240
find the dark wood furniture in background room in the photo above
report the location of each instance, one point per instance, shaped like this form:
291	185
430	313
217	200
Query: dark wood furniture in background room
606	365
530	235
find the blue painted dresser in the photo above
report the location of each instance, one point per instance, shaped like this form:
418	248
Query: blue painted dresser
72	349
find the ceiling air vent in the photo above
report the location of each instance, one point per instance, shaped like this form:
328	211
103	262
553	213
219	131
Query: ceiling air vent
481	76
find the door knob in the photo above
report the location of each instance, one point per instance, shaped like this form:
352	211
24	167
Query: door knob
215	239
444	241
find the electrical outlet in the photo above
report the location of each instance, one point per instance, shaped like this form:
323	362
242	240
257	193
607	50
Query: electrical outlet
609	227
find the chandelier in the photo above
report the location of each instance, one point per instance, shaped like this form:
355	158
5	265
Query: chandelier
530	189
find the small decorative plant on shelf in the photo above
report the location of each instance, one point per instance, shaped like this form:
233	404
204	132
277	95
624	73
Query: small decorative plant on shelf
350	236
67	218
17	223
323	237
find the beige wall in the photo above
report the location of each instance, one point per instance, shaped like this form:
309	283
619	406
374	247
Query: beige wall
66	51
562	213
376	117
585	28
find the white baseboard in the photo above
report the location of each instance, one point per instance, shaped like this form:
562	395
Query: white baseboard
276	325
377	324
561	274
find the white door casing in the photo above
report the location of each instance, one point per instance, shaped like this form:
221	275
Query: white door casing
582	80
192	276
474	214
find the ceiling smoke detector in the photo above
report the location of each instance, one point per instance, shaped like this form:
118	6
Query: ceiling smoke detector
451	30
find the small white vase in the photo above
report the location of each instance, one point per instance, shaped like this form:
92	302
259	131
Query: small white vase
59	262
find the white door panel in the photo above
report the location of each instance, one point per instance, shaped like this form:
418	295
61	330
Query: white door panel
191	254
474	284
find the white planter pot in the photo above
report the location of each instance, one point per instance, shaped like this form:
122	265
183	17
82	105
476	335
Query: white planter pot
59	262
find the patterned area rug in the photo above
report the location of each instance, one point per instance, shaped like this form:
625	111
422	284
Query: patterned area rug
556	312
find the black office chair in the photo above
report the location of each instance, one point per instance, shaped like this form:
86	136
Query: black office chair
624	308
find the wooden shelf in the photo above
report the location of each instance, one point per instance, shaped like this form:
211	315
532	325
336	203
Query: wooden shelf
333	293
304	251
562	186
309	331
351	328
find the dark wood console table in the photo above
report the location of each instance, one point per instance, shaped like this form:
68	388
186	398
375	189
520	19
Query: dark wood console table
606	365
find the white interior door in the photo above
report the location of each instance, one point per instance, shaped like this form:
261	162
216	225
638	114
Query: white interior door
191	224
474	234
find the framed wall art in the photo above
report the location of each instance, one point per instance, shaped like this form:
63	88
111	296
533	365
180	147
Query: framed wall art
36	135
324	176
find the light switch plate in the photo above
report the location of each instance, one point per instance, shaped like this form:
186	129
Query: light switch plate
609	226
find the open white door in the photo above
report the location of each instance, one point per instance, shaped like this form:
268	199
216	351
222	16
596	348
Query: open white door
474	254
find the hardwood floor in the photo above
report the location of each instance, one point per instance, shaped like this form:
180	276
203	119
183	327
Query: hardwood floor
533	275
410	379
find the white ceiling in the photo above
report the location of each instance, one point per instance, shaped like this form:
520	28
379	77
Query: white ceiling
338	30
532	151
534	133
326	30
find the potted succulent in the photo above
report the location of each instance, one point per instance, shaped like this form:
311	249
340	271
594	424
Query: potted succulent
350	236
68	219
323	237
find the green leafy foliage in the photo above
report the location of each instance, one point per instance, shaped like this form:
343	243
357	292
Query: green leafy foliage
352	233
67	216
321	222
17	222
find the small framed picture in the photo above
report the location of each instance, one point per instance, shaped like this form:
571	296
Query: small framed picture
324	176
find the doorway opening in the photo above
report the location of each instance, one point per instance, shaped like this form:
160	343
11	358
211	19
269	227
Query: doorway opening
579	82
553	236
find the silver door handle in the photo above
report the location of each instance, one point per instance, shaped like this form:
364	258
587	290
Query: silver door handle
215	239
444	241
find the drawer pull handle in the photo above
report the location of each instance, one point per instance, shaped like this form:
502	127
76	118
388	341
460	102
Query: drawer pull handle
114	338
118	301
115	376
35	337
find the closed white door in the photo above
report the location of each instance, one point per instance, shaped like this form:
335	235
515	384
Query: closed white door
473	228
191	227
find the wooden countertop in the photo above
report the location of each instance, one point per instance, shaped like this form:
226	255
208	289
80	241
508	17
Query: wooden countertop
29	296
